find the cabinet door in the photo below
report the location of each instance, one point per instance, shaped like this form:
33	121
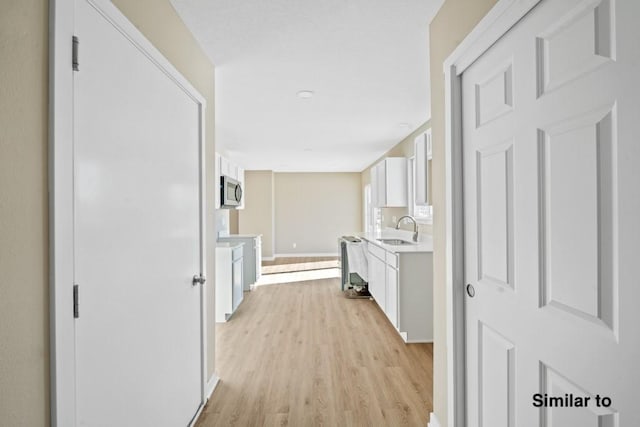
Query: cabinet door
391	305
377	279
237	283
228	168
396	182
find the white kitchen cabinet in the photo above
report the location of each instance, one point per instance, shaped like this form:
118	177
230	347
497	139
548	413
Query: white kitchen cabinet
252	256
229	281
376	270
236	278
391	301
422	150
389	183
402	285
228	168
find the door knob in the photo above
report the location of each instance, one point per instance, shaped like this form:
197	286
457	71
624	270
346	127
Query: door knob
198	279
471	291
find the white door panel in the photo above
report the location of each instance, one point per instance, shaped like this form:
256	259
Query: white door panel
137	235
550	131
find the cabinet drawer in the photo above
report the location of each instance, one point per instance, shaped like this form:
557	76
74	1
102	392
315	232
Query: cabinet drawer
377	251
392	260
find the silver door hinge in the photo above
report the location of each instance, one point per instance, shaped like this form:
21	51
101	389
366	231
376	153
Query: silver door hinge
74	53
76	312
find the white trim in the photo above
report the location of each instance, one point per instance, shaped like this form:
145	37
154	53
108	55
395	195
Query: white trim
495	24
268	258
62	327
433	421
309	254
500	19
61	219
211	386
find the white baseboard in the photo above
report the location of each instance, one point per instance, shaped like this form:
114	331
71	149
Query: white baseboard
312	254
433	421
211	386
268	258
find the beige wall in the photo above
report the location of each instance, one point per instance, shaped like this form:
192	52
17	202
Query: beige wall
453	22
24	296
257	215
313	209
404	148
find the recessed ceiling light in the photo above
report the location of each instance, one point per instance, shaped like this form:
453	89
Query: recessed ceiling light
308	149
305	94
404	125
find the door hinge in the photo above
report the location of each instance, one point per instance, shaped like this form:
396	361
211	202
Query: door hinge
76	312
74	53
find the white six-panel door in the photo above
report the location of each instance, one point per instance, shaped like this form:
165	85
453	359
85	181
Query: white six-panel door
551	161
137	234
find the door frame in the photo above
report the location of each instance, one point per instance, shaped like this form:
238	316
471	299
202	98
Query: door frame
496	23
61	209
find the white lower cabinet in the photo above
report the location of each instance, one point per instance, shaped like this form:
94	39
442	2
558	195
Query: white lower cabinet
377	273
252	256
402	285
391	300
228	285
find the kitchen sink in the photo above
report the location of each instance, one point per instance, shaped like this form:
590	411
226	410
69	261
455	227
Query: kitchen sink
396	242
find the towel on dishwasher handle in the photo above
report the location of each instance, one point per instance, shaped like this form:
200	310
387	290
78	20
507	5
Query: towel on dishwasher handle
357	259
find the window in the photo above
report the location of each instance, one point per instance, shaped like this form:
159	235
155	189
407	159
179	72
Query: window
372	215
422	213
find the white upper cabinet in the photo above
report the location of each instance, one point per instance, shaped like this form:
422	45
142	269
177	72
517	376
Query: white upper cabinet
228	168
389	183
422	150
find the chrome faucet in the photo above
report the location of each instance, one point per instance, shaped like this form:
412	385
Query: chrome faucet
415	226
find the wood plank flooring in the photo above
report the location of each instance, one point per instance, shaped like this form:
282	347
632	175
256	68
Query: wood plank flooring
300	354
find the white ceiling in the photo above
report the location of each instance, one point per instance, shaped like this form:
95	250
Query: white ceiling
365	60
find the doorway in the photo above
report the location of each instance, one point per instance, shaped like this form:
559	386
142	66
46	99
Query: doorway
128	227
541	279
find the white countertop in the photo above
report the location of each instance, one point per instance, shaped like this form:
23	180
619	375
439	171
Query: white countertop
424	245
239	236
228	245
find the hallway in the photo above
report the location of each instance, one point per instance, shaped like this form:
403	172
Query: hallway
300	354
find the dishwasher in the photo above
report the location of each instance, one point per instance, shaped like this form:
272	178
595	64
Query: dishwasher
353	265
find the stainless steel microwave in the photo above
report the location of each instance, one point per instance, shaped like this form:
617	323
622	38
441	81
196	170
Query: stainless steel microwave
230	192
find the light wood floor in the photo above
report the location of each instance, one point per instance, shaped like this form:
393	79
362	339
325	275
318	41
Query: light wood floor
285	265
303	355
